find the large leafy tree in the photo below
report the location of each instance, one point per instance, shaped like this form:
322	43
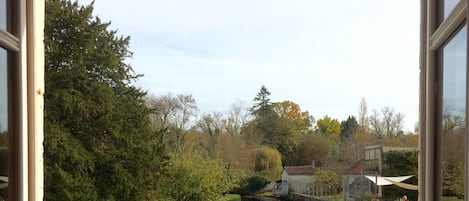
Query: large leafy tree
319	148
98	141
328	125
291	115
294	125
267	162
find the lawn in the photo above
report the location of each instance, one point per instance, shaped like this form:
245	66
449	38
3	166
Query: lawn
450	199
231	197
338	197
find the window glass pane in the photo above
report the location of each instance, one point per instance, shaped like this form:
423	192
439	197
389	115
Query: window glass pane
454	106
3	126
449	5
3	14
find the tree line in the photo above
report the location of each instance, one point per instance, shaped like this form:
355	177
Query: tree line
106	139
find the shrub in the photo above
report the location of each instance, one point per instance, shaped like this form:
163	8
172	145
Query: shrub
251	185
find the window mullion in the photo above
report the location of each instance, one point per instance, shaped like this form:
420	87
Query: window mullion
9	41
448	26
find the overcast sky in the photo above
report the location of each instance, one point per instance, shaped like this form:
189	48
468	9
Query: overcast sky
324	55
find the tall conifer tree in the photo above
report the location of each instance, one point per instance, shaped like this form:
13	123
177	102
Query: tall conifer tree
98	142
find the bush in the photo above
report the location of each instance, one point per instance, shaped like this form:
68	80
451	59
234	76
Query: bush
195	177
251	185
367	197
327	178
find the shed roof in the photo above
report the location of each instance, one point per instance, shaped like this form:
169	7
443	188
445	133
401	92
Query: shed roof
299	170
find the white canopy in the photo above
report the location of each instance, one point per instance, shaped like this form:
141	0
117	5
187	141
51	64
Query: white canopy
3	178
383	181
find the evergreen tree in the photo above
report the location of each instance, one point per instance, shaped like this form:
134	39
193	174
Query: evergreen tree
267	121
262	103
98	143
348	128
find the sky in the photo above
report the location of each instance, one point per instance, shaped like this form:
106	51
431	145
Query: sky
3	91
323	55
3	77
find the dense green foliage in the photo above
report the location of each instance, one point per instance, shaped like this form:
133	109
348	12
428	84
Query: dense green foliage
327	179
328	125
251	185
399	163
268	162
453	180
194	177
294	125
453	154
280	125
262	105
98	142
319	148
348	128
266	121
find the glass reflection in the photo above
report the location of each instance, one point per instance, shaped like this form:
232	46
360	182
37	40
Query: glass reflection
3	126
453	125
3	14
449	6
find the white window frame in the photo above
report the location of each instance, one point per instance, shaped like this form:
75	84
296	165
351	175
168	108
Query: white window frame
24	42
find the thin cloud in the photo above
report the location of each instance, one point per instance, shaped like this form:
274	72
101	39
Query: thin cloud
324	55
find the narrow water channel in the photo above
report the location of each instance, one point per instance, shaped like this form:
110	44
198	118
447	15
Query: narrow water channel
249	198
